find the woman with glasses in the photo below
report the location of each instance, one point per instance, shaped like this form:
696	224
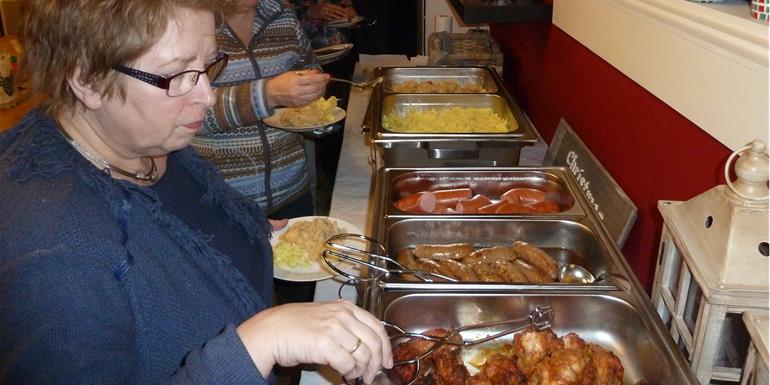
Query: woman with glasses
124	257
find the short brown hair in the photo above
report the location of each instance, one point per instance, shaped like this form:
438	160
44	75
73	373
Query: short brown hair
59	36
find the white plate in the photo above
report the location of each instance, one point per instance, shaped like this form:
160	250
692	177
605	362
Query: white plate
328	53
317	270
274	120
344	23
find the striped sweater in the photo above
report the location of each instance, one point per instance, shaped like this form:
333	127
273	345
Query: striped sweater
263	163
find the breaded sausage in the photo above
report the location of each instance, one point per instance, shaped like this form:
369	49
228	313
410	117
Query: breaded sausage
532	273
459	270
451	251
486	273
406	258
490	254
431	266
509	271
536	257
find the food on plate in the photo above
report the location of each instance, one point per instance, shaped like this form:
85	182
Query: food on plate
519	200
449	120
533	358
303	242
517	263
317	113
439	86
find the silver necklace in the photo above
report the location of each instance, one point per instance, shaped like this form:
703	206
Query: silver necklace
140	175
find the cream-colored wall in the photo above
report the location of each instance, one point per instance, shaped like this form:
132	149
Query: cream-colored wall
433	8
708	62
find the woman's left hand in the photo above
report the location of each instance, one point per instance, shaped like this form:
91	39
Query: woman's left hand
278	224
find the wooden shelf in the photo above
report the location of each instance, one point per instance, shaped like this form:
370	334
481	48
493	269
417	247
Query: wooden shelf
501	11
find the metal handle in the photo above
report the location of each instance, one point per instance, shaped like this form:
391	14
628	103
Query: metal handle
452	150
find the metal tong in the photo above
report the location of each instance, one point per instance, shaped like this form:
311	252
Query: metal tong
376	252
364	84
541	318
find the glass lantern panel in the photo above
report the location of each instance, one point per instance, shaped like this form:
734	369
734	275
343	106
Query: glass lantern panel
692	305
734	342
676	266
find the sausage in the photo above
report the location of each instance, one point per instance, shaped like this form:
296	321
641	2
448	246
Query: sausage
509	271
431	266
544	207
532	273
459	270
523	195
451	197
471	206
513	208
535	256
452	251
486	273
490	254
419	203
406	258
490	208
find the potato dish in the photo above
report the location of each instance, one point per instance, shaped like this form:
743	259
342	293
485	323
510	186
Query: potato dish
450	120
317	113
303	243
437	86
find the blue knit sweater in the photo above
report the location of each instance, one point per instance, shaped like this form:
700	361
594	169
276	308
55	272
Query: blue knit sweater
100	285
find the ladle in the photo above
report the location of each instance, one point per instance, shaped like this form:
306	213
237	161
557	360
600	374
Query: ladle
572	273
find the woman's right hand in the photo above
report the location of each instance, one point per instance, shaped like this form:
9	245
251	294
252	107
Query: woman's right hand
296	88
338	334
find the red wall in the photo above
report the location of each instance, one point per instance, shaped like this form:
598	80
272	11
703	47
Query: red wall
653	152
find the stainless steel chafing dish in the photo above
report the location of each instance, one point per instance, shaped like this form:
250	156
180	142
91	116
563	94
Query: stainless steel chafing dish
446	149
481	77
619	321
557	182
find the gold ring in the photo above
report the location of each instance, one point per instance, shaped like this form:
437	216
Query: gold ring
358	343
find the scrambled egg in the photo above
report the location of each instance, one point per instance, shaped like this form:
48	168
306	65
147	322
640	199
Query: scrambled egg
303	243
454	120
317	113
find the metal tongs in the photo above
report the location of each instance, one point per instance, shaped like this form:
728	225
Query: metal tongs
540	319
376	251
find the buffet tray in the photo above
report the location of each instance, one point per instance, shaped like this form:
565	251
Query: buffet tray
466	76
446	149
617	321
557	182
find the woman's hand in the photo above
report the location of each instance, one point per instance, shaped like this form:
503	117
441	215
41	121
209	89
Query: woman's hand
327	12
278	224
338	334
296	88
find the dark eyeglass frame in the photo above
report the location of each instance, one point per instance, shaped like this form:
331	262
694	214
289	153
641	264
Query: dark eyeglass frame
165	82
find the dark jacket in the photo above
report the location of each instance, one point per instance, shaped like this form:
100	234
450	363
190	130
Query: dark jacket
99	285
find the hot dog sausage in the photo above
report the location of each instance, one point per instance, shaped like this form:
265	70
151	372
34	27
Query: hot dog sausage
419	203
536	257
452	251
513	208
451	197
471	206
490	208
523	195
544	207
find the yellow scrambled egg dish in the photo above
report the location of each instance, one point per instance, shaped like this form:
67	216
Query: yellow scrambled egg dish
317	113
450	120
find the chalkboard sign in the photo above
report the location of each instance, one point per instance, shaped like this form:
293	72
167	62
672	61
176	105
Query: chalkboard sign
611	204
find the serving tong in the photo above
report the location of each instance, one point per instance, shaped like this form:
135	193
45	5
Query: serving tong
540	318
363	85
338	249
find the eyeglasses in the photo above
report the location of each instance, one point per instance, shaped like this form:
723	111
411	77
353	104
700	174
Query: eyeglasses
181	83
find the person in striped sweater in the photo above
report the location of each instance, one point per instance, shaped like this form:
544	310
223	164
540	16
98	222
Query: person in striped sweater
271	65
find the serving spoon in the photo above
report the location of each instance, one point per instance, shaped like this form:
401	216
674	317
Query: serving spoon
572	273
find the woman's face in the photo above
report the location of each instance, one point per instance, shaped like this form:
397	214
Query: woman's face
149	122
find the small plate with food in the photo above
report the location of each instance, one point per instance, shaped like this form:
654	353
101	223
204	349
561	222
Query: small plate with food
330	53
298	248
344	22
319	113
